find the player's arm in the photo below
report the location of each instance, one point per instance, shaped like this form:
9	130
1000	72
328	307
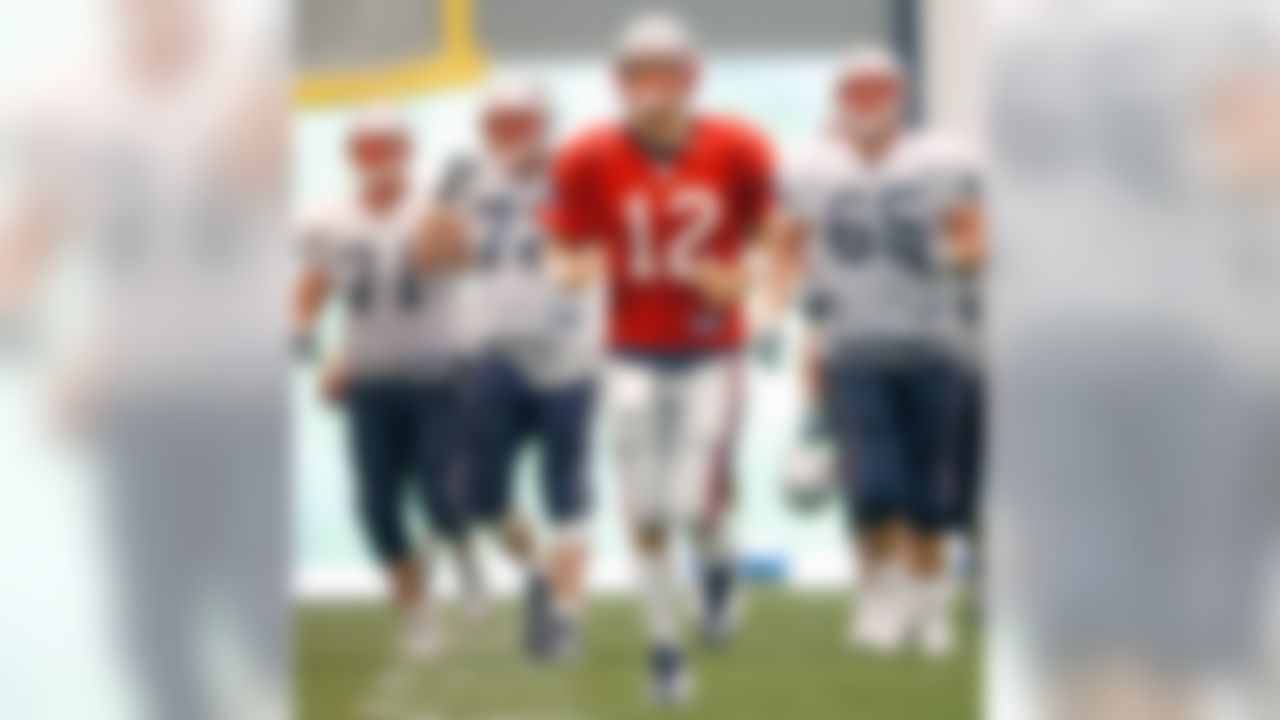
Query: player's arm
29	235
310	292
777	268
35	220
963	214
572	219
722	282
782	247
753	197
311	287
443	243
964	229
574	264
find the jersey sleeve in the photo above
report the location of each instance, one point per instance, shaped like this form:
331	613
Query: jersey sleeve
757	181
313	236
456	181
573	211
802	189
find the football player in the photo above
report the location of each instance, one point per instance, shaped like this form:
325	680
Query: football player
884	221
664	205
149	166
538	351
398	371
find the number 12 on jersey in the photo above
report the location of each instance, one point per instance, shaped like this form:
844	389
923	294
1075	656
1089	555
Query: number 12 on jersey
695	213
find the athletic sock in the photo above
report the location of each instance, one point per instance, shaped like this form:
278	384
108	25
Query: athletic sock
667	674
660	598
934	597
866	601
536	620
870	584
940	593
718	582
470	576
568	539
665	661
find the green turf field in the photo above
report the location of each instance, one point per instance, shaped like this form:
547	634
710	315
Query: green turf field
789	663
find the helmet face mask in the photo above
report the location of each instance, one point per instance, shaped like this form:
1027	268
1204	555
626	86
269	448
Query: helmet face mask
514	121
657	89
513	135
870	94
379	157
870	105
656	68
380	146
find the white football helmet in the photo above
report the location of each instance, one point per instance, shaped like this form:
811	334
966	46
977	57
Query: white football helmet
656	36
809	474
863	69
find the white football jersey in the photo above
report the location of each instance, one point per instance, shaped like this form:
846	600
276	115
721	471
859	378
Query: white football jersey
553	335
399	322
182	274
878	281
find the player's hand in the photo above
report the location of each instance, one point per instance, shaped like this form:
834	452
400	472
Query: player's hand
719	282
441	242
966	245
334	380
576	270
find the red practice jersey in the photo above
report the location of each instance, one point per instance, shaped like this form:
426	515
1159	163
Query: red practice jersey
657	216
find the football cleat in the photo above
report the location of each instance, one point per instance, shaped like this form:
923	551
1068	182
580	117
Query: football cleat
935	629
719	604
563	640
938	638
476	604
881	620
877	627
421	639
537	618
669	683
